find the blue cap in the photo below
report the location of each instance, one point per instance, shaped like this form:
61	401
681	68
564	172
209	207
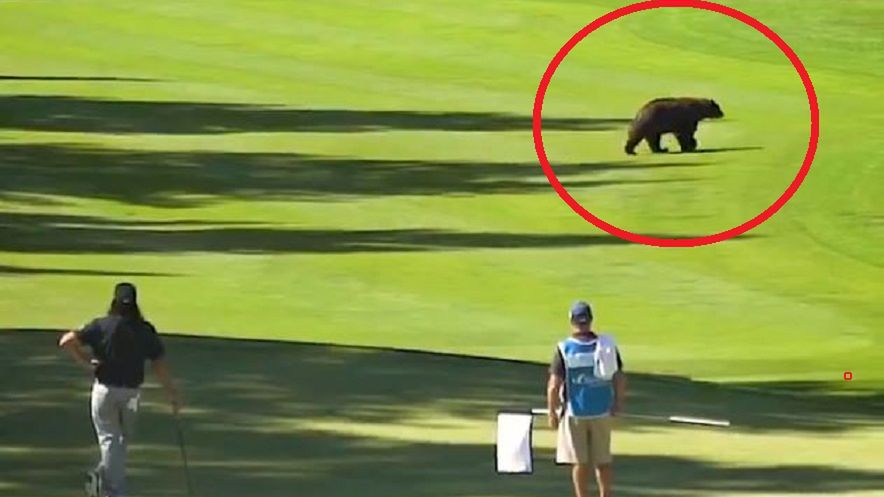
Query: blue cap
581	312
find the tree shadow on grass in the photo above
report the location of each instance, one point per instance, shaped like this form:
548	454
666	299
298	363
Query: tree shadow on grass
724	149
49	233
256	414
183	179
41	271
115	79
767	406
78	114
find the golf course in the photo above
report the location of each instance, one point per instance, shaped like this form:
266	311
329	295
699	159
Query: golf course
336	219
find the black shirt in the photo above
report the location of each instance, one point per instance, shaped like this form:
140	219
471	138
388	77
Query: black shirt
121	345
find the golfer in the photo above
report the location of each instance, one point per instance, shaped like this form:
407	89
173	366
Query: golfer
586	374
120	343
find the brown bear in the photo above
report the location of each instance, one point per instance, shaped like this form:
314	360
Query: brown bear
670	115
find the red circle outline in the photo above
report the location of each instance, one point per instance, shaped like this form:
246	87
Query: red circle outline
676	242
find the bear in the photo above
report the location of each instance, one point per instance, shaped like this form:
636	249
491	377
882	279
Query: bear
679	116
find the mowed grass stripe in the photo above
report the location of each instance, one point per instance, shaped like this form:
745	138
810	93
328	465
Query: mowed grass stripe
261	54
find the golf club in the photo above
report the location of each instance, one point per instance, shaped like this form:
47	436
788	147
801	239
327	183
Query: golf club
181	446
690	420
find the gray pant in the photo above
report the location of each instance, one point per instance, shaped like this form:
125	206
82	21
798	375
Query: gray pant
114	410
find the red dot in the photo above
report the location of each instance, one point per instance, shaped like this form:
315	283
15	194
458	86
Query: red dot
848	375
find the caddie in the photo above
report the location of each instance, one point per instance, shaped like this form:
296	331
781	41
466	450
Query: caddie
585	390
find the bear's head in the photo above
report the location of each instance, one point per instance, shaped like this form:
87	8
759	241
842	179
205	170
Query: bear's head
711	109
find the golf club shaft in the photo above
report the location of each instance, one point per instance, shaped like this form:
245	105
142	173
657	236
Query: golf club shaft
691	420
544	412
183	449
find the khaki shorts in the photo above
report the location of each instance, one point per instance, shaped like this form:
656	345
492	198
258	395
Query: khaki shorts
584	441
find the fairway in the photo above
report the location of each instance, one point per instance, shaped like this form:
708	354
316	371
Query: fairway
362	174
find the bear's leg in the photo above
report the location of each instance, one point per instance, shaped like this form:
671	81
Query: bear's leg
686	139
687	142
631	143
654	143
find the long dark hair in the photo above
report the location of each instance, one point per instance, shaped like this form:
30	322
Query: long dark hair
130	310
122	343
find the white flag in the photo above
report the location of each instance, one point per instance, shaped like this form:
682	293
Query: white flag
514	452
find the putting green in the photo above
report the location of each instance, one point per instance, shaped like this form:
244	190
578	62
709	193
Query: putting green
273	418
363	173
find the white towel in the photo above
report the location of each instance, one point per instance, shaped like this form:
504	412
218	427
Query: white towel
605	357
513	452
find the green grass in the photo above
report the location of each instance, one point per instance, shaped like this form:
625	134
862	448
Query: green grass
270	418
363	173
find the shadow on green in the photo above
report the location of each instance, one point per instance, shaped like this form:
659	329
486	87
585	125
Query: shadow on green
49	233
91	79
66	113
6	270
186	179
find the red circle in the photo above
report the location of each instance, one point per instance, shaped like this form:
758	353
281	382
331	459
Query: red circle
848	375
676	242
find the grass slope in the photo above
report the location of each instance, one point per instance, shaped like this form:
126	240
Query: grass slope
272	419
363	172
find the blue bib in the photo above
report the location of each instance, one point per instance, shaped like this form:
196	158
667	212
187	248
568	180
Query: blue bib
585	395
